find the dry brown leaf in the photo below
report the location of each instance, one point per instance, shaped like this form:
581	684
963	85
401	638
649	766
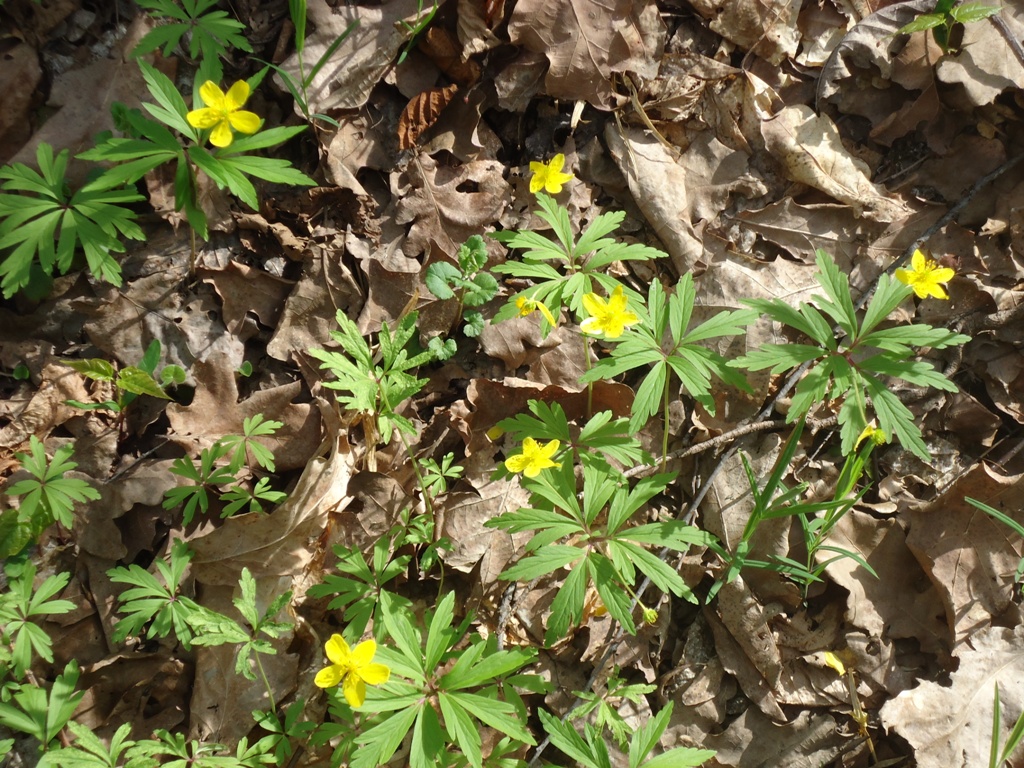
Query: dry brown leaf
362	59
215	412
951	724
677	193
244	289
914	610
812	151
476	24
47	409
421	113
768	28
970	557
277	544
445	50
325	286
19	77
461	518
355	146
586	41
985	65
446	205
753	741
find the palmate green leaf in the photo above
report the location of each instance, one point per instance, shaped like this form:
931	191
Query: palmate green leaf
463	731
915	371
894	418
902	339
499	715
661	574
565	737
837	303
488	668
545	560
170	108
567	607
888	294
380	742
50	496
526	519
624	505
272	169
439	278
609	584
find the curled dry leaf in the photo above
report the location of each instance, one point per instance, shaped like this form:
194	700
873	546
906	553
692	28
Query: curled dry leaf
421	113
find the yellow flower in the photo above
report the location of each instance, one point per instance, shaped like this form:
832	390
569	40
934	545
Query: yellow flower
527	306
835	662
534	458
925	276
873	433
223	112
609	317
549	176
353	668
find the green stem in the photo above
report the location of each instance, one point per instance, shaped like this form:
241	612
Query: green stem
266	682
590	384
665	422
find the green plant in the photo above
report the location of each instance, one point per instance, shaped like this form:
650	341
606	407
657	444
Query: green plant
211	473
591	751
89	751
211	33
157	607
39	714
47	498
212	628
855	369
600	545
20	637
442	688
130	381
774	499
413	30
358	592
378	382
663	342
466	282
583	261
299	89
437	476
608	717
48	223
999	757
283	732
944	20
150	143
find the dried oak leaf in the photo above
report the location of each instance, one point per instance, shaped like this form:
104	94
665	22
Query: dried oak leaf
586	41
422	112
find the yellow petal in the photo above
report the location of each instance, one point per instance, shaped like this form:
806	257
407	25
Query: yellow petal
362	654
918	261
212	95
221	135
833	661
328	677
594	304
556	164
337	650
548	450
536	183
354	689
244	122
530	446
516	464
943	274
547	313
203	118
375	674
591	325
236	96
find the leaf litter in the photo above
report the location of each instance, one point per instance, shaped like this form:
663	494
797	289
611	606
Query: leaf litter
737	137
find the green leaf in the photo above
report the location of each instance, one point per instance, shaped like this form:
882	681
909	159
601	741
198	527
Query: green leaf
439	278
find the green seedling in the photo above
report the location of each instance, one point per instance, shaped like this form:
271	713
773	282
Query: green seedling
128	382
43	224
948	20
466	282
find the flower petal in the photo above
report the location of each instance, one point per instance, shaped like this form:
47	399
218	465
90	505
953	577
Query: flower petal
203	118
556	164
244	122
212	95
374	674
328	677
548	450
594	304
222	136
236	96
337	650
591	325
943	274
354	689
536	183
516	464
362	654
918	261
